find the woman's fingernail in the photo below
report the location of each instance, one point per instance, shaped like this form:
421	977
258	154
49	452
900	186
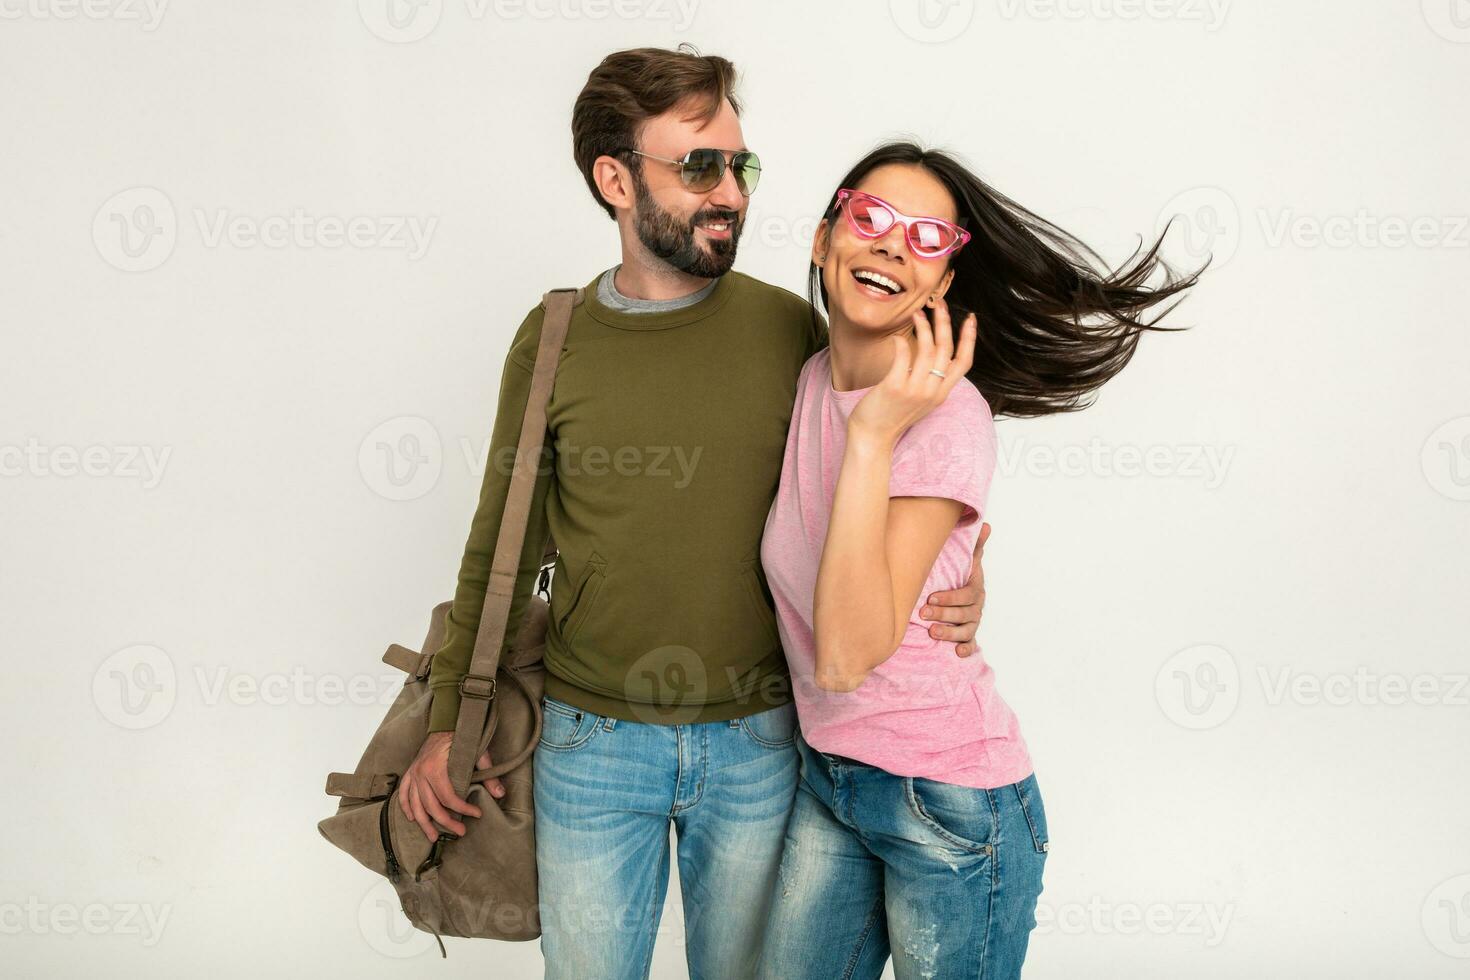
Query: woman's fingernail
927	611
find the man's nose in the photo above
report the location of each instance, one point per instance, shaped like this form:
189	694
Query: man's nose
726	193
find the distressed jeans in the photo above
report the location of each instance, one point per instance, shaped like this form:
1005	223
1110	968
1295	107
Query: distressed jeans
944	877
606	791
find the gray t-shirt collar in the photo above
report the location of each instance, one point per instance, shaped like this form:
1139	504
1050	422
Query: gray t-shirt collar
608	295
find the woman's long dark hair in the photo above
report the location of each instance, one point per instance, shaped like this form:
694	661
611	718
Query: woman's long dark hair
1050	328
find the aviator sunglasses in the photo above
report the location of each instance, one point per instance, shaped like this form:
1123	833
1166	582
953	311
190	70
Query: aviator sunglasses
703	169
872	217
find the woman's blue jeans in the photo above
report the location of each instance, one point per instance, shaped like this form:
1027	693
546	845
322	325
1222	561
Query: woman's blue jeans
944	877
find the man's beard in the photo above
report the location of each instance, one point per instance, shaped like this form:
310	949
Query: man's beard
674	240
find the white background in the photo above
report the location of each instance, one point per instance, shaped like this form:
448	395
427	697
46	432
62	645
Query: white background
177	639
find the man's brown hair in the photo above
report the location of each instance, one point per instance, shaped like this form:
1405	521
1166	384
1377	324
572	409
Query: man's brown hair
630	87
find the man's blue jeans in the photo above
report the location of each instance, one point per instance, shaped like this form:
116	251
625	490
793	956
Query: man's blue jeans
946	876
606	790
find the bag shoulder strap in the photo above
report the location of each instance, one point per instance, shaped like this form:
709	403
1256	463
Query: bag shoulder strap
477	687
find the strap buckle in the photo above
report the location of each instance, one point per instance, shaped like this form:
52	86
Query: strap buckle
435	857
477	686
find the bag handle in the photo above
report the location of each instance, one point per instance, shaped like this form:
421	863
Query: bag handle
477	687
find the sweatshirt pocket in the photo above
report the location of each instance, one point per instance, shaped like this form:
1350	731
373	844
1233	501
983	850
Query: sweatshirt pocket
584	595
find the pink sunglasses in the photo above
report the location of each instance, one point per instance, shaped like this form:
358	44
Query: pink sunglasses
872	217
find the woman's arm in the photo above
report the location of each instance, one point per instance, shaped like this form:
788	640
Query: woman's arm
879	550
875	560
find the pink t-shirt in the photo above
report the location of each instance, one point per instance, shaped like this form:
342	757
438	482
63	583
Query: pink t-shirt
924	711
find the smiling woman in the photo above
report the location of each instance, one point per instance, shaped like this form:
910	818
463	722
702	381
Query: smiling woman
1052	328
920	795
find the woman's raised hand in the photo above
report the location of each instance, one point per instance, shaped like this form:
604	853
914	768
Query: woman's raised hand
917	383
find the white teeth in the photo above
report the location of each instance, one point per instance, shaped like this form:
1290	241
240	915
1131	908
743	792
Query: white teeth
717	227
878	279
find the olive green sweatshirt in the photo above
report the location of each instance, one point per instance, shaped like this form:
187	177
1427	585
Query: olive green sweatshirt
665	436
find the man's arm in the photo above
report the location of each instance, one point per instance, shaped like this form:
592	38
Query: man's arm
452	659
425	794
962	606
